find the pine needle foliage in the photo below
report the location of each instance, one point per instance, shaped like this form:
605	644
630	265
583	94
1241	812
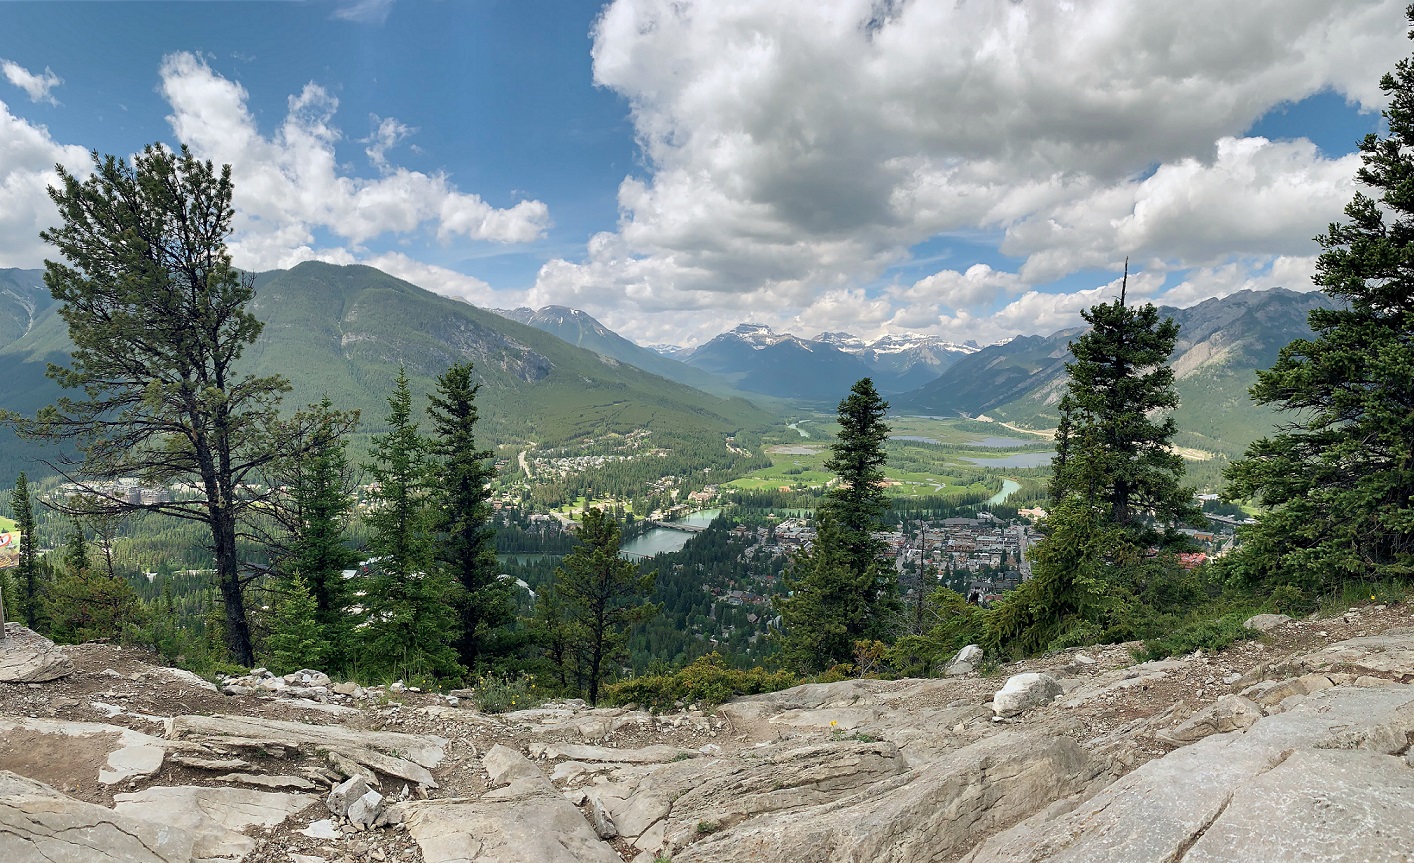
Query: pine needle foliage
1337	478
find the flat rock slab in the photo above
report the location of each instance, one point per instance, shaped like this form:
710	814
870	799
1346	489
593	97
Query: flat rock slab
214	818
1389	656
527	821
28	657
1163	811
920	816
40	825
426	750
1328	806
129	753
658	753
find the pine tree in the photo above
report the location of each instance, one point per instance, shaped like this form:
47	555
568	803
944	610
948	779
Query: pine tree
85	604
315	512
411	602
1115	492
1114	441
857	502
159	320
1337	479
842	590
466	542
602	595
297	639
26	575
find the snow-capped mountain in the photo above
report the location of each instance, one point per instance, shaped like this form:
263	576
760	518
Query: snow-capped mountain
902	361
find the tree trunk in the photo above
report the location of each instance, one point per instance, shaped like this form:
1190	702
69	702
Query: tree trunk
223	535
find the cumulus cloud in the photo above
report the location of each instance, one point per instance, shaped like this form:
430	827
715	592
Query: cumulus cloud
795	149
38	87
28	155
290	184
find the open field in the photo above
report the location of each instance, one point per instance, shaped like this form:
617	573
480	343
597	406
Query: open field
6	525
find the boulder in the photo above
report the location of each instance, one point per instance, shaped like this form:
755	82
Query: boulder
1025	691
965	662
214	818
658	753
28	657
354	801
1265	622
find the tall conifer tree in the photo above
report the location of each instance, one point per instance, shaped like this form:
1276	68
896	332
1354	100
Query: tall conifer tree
602	595
411	602
466	542
1337	479
26	575
842	590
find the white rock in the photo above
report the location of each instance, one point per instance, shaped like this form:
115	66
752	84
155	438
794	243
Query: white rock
323	829
1265	622
1025	691
965	662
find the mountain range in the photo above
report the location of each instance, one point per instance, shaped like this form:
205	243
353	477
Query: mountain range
757	359
1221	342
345	331
556	374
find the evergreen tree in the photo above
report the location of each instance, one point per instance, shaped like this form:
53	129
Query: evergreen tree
466	542
297	637
315	512
26	575
87	605
1115	492
1114	441
602	595
1337	479
842	589
857	502
411	603
158	319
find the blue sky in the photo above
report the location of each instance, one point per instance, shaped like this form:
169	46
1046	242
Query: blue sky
972	170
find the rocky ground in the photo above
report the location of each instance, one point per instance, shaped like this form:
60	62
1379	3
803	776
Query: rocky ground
1292	747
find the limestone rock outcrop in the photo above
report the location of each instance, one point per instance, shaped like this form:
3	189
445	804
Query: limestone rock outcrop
28	657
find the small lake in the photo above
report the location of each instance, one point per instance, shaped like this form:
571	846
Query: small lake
918	438
1024	459
1003	442
660	540
796	426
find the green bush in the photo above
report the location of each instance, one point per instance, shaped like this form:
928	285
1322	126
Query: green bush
1292	600
1210	635
496	694
708	681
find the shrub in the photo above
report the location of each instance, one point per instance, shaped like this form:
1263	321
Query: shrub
708	681
1210	635
1290	599
495	694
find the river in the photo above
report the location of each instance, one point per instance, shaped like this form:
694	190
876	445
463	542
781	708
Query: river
661	539
1008	487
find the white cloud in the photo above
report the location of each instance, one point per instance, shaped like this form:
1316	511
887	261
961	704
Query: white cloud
27	158
38	87
795	149
364	11
290	184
